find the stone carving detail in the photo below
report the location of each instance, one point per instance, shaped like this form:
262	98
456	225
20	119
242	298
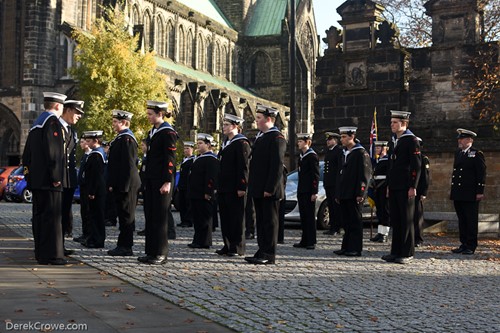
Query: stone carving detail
333	38
387	33
356	74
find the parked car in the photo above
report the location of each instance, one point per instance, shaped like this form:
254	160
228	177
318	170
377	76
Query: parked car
16	189
321	209
5	172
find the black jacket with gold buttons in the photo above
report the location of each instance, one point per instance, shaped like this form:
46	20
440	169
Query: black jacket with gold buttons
469	174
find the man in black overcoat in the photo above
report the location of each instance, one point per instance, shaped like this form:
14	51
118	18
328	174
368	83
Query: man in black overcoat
467	189
352	186
265	183
123	180
43	160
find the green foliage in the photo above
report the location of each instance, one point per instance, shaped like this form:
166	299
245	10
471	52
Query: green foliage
113	74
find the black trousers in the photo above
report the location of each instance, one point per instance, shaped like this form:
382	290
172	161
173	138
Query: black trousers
202	220
266	216
66	212
249	217
281	221
418	219
353	225
156	210
110	212
468	216
333	210
46	224
382	204
126	203
232	221
402	209
185	208
307	219
97	226
85	211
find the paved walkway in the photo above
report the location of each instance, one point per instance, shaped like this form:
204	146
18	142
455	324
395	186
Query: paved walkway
306	291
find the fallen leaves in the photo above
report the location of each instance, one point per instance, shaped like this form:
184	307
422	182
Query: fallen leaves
220	288
129	307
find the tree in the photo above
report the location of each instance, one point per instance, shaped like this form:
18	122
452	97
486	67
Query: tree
112	74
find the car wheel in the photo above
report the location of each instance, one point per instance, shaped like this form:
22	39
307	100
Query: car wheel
323	219
27	196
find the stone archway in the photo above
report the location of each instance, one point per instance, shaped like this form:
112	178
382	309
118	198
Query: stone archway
10	134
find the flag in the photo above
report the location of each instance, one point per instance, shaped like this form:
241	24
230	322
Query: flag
373	155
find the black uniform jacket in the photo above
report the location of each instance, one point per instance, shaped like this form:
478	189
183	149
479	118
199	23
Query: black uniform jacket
160	163
234	164
93	175
123	175
405	163
469	175
308	172
184	171
70	179
423	182
333	163
204	175
380	172
356	171
43	156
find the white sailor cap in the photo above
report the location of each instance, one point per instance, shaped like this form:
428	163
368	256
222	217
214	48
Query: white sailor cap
400	114
267	110
189	144
92	134
205	137
157	106
463	133
122	115
53	97
332	135
381	143
304	136
235	120
74	104
350	130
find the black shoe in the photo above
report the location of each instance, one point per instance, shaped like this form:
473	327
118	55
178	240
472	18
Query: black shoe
141	232
352	254
259	261
80	239
379	238
68	252
221	252
298	245
403	260
121	251
158	260
110	223
331	233
467	251
145	259
339	252
310	247
57	261
250	236
198	246
459	249
233	254
389	257
91	245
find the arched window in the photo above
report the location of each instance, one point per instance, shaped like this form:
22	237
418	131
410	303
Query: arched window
202	54
189	48
182	45
210	56
260	69
218	60
148	32
224	63
136	19
170	40
160	37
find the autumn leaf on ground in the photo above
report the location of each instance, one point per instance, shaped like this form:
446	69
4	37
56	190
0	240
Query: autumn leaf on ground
189	320
105	295
103	273
129	307
374	319
116	290
63	292
218	288
242	289
339	326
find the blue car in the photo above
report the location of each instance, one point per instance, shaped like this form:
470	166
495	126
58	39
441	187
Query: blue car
16	189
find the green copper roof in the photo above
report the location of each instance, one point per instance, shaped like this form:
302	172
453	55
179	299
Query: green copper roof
200	76
207	8
266	18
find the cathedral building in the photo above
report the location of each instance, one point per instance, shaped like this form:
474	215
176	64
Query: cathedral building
220	56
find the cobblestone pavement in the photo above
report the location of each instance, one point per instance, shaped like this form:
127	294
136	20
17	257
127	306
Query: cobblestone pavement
310	290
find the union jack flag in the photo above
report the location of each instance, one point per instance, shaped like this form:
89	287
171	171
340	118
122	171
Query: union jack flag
373	135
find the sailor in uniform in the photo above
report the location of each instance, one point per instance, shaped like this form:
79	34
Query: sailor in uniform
333	163
422	188
379	186
123	180
182	186
43	160
307	190
232	187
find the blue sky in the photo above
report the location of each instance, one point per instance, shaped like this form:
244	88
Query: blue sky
325	12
